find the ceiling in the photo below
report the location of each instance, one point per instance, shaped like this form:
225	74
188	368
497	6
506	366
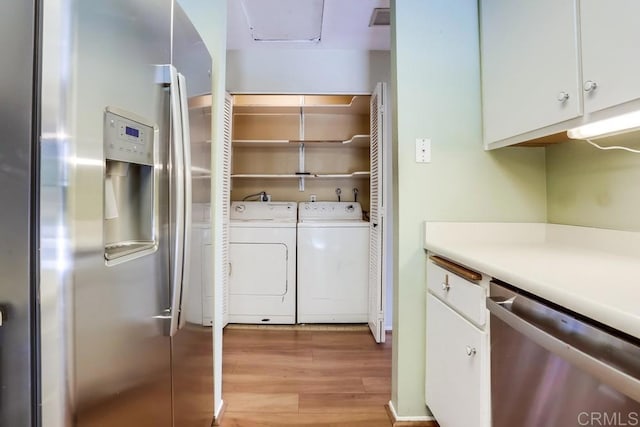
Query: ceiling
345	24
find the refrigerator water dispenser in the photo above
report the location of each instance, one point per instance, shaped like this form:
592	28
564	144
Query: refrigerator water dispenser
129	186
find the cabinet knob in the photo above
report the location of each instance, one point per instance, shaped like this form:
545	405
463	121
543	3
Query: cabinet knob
590	86
471	351
563	96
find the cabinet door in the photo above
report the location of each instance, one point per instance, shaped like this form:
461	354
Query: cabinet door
530	71
457	377
610	52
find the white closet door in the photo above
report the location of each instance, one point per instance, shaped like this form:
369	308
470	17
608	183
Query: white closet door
376	224
226	203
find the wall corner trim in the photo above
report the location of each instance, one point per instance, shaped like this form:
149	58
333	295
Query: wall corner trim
398	421
217	420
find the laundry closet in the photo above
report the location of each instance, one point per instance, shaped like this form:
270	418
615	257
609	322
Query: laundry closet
304	220
301	147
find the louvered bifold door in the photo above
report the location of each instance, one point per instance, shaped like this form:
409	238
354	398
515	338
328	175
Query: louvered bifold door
376	224
226	196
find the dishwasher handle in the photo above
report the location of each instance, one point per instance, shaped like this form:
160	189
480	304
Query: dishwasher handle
588	361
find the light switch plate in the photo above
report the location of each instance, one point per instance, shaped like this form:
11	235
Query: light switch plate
423	150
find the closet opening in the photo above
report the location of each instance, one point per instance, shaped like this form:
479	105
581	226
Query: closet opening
303	226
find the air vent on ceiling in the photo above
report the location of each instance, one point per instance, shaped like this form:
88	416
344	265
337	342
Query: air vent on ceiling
284	20
380	16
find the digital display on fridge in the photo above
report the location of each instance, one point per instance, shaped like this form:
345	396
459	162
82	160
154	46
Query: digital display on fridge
132	132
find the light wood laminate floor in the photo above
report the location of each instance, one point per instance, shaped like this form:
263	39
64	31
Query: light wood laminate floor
305	377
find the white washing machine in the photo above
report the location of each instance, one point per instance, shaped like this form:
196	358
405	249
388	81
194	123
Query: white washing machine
262	262
333	263
199	302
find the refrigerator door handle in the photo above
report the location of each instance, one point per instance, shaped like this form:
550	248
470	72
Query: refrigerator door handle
166	315
186	147
177	168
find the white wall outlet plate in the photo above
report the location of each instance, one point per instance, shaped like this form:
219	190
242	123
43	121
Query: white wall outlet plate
423	150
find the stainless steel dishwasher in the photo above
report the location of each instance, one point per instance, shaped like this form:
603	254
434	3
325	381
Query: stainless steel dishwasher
553	368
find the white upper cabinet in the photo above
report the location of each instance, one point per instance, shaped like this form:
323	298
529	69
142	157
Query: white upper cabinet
610	52
530	65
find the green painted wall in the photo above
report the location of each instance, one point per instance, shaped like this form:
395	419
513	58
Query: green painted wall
271	70
436	82
594	188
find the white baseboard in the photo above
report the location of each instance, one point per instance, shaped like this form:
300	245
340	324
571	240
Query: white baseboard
408	418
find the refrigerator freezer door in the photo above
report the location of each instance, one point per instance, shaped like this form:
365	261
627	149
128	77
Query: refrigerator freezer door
17	229
106	320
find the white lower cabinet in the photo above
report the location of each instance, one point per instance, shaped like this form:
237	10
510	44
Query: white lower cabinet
457	368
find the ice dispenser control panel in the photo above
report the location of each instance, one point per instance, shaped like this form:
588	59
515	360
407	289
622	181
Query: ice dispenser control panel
128	140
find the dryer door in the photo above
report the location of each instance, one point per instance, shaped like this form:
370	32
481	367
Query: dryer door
258	269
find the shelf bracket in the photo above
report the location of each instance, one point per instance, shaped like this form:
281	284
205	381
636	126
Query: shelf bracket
301	148
301	166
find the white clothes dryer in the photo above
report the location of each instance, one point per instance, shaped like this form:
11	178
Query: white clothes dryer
333	263
262	262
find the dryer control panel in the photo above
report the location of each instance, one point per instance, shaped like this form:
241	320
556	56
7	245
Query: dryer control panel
264	211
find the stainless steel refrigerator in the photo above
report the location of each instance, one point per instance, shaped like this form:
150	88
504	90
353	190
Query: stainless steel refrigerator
96	191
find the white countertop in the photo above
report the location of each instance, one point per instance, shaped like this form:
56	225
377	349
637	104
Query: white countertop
591	271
